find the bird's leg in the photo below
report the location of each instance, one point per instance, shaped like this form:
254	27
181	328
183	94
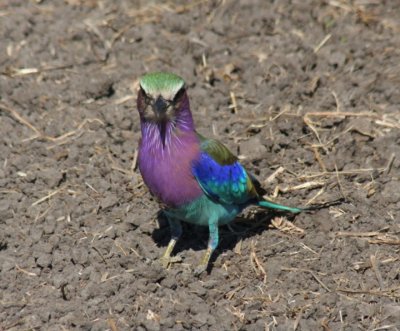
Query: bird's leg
176	232
212	245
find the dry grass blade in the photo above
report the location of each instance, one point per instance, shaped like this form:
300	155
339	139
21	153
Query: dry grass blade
23	71
322	43
238	247
238	313
256	264
117	244
336	212
15	72
104	277
272	177
124	99
98	252
357	234
388	124
390	163
77	130
391	293
384	240
297	320
135	160
339	182
367	264
324	324
229	295
39	134
307	118
115	166
385	327
184	8
311	273
285	110
47	197
287	227
344	172
305	186
234	102
24	271
320	192
152	316
319	158
375	267
20	119
342	114
111	324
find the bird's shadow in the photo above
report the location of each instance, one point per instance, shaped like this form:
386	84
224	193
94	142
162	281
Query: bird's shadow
196	237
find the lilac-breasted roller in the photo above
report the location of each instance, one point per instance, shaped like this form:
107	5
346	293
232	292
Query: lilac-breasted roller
197	179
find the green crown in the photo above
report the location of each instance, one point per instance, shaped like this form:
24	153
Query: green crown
161	83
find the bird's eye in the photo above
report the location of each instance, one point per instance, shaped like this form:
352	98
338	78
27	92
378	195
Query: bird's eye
179	95
146	98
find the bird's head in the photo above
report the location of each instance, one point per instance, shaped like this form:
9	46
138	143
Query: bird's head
161	98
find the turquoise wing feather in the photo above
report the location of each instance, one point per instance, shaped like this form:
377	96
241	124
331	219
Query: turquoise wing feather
221	176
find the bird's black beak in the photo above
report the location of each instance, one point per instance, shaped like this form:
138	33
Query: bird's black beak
160	110
160	107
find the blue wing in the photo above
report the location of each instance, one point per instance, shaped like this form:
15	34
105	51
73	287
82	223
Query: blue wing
221	176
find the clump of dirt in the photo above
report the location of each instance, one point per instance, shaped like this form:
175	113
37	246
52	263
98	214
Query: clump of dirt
306	93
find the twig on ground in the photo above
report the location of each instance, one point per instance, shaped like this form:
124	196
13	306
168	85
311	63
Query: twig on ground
386	293
272	177
111	324
257	266
285	226
311	273
386	241
321	191
308	185
20	119
358	234
319	158
375	267
24	271
47	197
340	183
234	102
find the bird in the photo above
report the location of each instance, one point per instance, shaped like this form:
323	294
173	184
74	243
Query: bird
196	179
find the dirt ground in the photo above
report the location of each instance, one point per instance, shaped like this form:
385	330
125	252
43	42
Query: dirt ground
305	92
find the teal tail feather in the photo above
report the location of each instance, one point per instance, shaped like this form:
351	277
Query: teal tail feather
271	205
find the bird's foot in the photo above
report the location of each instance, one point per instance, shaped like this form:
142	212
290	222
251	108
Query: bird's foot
199	269
168	260
204	262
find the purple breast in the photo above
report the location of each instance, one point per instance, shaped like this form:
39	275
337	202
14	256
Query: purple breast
167	169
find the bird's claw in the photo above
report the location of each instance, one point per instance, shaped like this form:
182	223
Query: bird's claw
164	262
167	260
204	262
200	269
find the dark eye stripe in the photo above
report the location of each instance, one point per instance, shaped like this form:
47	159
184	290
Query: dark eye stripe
179	94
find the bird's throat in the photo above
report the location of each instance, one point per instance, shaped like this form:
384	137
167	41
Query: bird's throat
162	127
168	133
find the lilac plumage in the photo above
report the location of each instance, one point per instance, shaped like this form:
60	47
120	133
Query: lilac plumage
166	170
197	180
